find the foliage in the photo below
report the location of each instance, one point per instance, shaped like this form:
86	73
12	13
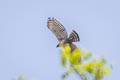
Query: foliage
21	78
83	64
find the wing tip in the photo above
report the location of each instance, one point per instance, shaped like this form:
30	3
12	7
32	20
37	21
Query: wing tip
49	19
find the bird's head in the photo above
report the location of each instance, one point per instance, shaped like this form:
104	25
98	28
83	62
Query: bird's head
61	43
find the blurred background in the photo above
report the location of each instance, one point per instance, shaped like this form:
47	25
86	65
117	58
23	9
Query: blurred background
27	46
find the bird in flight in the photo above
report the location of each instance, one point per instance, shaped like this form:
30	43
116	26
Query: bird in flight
60	32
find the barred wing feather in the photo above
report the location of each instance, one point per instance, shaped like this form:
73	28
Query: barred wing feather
57	28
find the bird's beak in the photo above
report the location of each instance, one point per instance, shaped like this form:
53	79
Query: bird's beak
57	46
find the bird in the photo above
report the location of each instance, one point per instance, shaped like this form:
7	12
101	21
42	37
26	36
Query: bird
60	32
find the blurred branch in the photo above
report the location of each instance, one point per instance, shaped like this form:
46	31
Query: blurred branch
78	73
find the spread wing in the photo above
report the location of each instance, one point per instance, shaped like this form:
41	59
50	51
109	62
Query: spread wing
57	28
74	37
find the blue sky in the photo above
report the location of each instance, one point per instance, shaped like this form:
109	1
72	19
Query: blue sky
27	47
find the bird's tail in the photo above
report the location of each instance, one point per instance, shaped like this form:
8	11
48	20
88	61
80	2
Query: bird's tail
74	37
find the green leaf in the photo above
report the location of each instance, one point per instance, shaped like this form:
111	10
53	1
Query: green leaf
21	78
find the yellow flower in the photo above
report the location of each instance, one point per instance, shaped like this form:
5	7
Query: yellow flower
78	60
88	55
